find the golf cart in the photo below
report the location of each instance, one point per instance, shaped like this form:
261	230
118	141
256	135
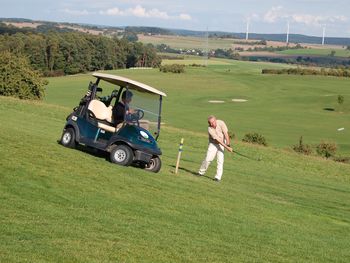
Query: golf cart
130	142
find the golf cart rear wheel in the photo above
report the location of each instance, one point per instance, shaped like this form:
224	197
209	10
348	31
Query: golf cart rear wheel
122	155
154	165
68	138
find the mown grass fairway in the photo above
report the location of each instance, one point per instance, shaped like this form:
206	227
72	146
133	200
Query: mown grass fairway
65	205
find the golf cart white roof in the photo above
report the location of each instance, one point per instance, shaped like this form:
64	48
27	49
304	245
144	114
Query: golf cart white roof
125	82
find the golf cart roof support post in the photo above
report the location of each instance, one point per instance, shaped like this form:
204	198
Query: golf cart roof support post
94	91
118	96
159	115
126	90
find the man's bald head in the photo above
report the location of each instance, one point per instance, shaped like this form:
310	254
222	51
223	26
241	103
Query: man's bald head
212	121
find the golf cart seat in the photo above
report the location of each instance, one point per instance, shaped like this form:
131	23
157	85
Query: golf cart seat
103	115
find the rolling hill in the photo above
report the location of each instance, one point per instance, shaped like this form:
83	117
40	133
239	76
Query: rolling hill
59	204
44	26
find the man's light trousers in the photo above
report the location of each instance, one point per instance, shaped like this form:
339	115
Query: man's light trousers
214	150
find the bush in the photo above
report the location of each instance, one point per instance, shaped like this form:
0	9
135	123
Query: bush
255	138
302	148
54	73
196	65
18	79
174	68
342	159
340	99
232	135
326	149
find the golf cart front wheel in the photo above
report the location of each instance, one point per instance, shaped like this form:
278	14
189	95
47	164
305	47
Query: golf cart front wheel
68	138
122	155
154	165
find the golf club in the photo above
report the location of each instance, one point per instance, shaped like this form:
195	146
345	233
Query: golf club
259	159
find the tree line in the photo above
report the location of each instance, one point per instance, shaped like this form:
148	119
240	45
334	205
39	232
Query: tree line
72	52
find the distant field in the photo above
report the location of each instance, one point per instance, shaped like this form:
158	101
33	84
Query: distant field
187	42
200	42
24	24
189	60
321	52
182	42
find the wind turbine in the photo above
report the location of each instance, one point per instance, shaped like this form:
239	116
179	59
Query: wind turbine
287	39
323	34
206	48
247	32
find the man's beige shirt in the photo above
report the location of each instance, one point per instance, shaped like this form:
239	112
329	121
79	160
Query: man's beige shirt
218	132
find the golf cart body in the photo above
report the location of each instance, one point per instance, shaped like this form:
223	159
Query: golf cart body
134	139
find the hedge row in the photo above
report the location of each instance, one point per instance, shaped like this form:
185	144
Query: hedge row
341	72
174	68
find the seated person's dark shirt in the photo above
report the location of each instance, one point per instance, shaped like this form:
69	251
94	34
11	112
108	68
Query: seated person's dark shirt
118	113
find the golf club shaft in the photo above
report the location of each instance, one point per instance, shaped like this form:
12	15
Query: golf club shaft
244	155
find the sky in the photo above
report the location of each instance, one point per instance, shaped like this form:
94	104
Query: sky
307	17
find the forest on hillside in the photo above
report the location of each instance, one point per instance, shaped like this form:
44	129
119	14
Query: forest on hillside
59	53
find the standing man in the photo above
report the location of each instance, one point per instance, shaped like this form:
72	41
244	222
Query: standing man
218	141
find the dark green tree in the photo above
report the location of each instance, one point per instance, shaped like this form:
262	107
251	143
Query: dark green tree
35	49
332	54
18	79
52	51
130	36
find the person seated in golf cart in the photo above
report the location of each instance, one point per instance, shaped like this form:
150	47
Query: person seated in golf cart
122	109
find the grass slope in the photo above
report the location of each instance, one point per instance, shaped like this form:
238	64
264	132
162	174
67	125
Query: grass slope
59	204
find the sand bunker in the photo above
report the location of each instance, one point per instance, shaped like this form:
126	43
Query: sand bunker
216	101
239	100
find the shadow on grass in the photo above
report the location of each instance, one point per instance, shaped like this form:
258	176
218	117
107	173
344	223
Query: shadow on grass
191	172
100	154
329	109
89	150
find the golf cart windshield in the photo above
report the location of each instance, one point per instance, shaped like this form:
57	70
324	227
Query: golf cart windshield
144	111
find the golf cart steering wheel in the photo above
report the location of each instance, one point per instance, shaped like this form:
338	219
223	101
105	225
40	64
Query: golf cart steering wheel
114	93
136	116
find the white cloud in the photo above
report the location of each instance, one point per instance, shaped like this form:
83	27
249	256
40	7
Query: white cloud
307	19
139	11
274	14
185	17
253	17
112	12
277	13
317	20
76	12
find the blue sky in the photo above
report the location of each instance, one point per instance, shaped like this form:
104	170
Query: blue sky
265	16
